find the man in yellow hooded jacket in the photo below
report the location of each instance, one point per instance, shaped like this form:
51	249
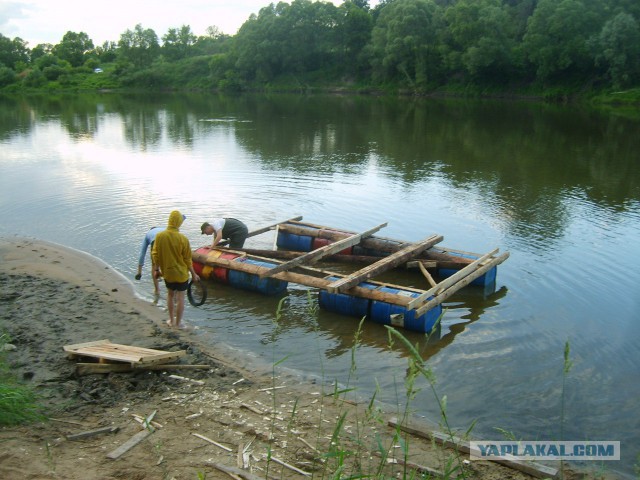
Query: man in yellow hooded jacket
171	253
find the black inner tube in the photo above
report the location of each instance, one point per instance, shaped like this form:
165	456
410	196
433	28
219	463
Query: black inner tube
197	294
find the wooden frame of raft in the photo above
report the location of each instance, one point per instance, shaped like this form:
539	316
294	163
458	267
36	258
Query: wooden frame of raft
298	270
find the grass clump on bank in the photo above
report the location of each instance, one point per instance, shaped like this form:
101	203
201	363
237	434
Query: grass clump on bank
18	403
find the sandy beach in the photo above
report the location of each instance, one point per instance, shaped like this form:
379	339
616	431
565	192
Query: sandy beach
206	421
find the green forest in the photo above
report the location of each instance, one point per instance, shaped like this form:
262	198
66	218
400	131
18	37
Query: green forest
551	48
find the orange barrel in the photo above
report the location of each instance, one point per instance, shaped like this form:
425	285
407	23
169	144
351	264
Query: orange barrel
208	272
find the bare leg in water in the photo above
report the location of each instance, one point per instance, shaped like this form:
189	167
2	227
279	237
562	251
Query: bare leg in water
170	306
179	309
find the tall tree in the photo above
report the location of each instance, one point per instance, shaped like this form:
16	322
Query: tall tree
479	40
557	35
73	48
13	51
617	49
140	46
354	34
404	41
177	42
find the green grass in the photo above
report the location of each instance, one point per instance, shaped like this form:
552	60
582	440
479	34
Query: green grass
18	402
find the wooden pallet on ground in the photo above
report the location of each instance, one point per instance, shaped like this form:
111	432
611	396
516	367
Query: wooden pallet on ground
107	352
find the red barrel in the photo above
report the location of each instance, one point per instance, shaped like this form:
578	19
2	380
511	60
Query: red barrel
321	242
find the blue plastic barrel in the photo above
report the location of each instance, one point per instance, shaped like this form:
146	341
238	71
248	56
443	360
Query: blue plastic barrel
398	316
486	279
345	304
290	241
251	281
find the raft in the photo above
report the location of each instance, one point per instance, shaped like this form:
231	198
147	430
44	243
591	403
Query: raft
357	294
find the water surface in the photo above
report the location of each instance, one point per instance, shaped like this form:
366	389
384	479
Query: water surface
557	187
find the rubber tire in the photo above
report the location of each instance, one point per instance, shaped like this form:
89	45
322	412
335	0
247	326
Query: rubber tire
192	300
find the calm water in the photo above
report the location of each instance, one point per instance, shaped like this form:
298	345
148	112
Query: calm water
558	188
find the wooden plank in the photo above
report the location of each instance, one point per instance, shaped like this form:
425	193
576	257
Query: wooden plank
129	444
259	231
105	350
317	254
450	441
441	297
447	282
386	263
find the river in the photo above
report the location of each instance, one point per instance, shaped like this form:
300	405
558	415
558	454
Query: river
558	187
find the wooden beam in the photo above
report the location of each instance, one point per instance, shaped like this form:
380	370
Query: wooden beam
386	263
262	230
446	257
334	236
451	441
308	280
317	254
441	297
426	274
447	282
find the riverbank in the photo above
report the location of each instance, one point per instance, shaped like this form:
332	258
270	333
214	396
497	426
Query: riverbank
204	421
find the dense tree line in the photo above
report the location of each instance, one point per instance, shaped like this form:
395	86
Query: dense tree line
417	45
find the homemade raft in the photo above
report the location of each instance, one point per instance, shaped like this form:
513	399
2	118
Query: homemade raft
300	245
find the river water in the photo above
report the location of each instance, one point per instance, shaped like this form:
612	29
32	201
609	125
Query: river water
557	187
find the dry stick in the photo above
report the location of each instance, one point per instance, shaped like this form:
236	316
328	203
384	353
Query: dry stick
141	421
291	467
308	444
92	433
233	471
271	388
253	409
211	441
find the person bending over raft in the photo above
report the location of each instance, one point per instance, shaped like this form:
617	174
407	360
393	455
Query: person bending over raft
226	228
